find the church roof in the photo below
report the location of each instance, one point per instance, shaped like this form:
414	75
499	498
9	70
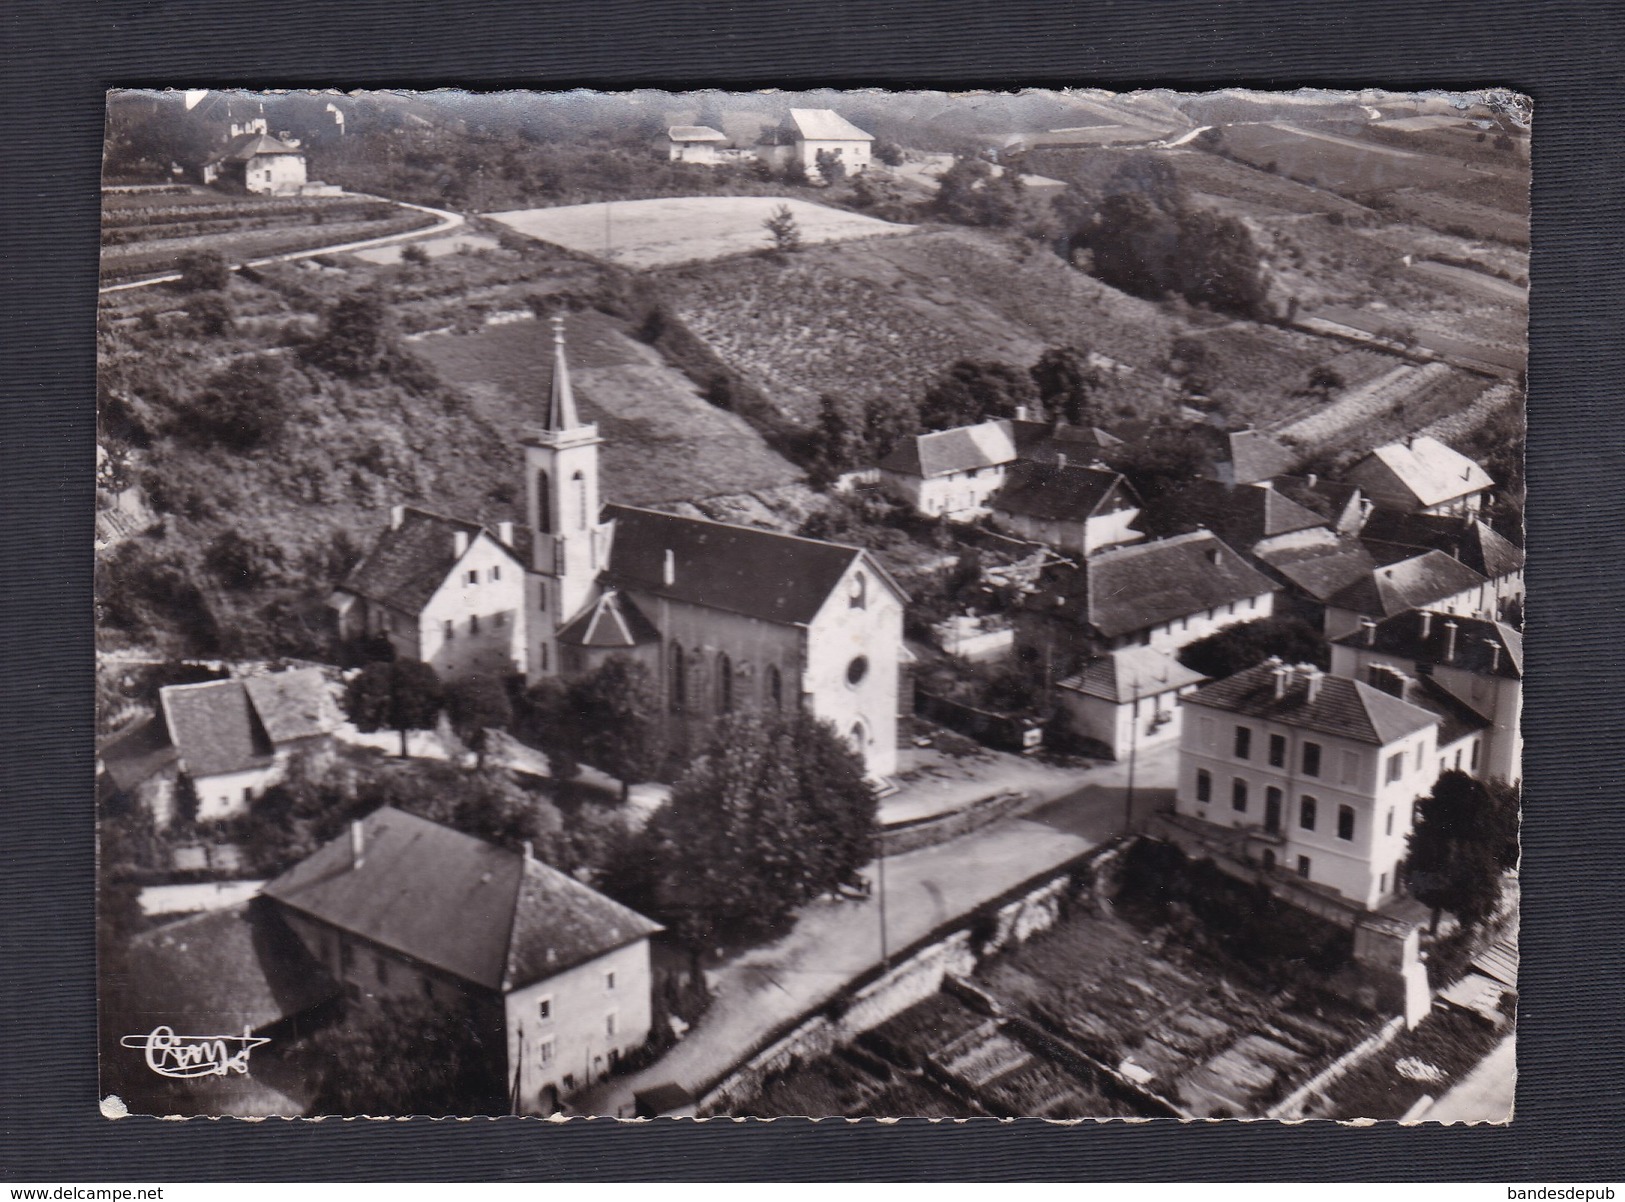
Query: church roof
760	573
480	912
412	559
561	399
614	620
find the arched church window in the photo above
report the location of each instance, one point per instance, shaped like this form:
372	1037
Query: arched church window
580	482
859	737
679	679
544	503
725	683
775	687
858	591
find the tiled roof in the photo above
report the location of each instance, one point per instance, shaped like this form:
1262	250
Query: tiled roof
1431	471
137	753
214	728
1415	583
219	973
695	133
826	125
246	146
410	561
1457	720
1122	675
1347	709
293	705
961	449
1059	493
1465	538
1241	515
760	573
1133	588
1474	651
1255	457
1334	500
448	900
613	620
1321	573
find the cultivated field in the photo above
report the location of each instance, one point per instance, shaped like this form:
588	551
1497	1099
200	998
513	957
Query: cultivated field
147	233
685	229
1346	165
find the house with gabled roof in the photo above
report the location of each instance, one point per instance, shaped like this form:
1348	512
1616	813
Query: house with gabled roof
1069	506
257	162
1392	536
1252	518
1431	580
1309	774
442	590
399	906
953	473
691	144
806	133
1421	475
1127	701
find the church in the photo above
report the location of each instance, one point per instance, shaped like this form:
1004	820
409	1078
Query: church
725	617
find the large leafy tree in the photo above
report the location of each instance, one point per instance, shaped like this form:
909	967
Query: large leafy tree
617	710
1067	383
973	390
839	441
406	1056
970	192
1464	838
1248	644
476	705
401	695
774	812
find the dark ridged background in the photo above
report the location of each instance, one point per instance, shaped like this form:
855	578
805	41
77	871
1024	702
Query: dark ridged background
58	59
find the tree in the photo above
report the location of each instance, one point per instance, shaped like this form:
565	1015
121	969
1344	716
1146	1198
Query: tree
830	166
971	391
204	271
1067	382
782	229
359	339
1464	837
839	440
245	404
476	705
795	171
1160	461
1325	379
1248	644
774	812
971	192
406	1056
617	709
888	418
212	314
548	720
889	153
401	695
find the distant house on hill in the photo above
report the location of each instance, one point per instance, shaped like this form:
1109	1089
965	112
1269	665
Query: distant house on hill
806	132
257	162
448	592
402	907
233	738
1421	475
1069	506
691	144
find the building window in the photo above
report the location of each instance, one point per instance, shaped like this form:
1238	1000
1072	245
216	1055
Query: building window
474	576
775	687
1396	766
451	630
544	1008
679	679
580	483
1244	742
541	597
1388	823
609	982
858	598
544	1051
1306	812
1277	751
1382	884
1303	867
1473	760
499	620
474	624
495	573
248	794
1238	795
1311	759
609	1024
725	683
857	670
544	657
569	1082
1421	752
1204	785
1345	823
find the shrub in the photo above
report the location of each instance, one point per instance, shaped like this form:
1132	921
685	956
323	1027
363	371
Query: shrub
245	404
204	271
212	314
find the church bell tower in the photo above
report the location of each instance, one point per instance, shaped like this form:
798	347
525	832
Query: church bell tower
569	546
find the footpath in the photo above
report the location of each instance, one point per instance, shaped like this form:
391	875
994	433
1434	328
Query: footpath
834	942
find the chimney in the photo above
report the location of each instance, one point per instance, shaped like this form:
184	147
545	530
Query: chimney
459	543
1312	677
1279	673
1313	479
358	844
397	515
1213	555
1427	624
1390	680
1449	641
505	533
1060	459
668	570
1369	629
1495	654
1021	413
1366	506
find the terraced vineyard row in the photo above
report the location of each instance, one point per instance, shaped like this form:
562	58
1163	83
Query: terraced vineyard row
1363	404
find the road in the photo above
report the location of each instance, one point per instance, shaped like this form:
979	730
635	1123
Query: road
447	221
834	942
1485	1095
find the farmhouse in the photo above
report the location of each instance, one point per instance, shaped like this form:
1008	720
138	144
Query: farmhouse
1252	518
257	162
1315	775
403	907
1421	475
1431	580
1127	700
807	133
952	473
444	591
1391	536
691	144
1078	509
233	738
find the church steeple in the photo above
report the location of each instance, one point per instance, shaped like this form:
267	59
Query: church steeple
561	403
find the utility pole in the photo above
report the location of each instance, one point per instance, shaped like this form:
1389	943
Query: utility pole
1133	748
880	884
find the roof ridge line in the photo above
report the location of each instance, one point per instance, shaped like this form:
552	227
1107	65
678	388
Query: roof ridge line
683	517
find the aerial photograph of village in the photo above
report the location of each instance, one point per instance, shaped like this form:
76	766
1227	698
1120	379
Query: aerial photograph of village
832	604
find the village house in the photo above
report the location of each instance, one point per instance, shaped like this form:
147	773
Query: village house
1242	456
1164	595
691	144
1421	475
401	907
444	591
1340	505
1477	661
953	473
1431	580
1392	536
1068	506
233	739
1315	775
257	162
808	132
1251	518
1127	701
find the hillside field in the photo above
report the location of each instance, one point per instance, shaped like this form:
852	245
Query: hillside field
685	229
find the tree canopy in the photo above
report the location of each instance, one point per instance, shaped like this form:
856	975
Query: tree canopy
774	812
974	390
1248	644
618	714
402	695
406	1056
782	229
476	704
1464	837
1067	382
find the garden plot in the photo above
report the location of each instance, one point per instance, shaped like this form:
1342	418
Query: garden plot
685	229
